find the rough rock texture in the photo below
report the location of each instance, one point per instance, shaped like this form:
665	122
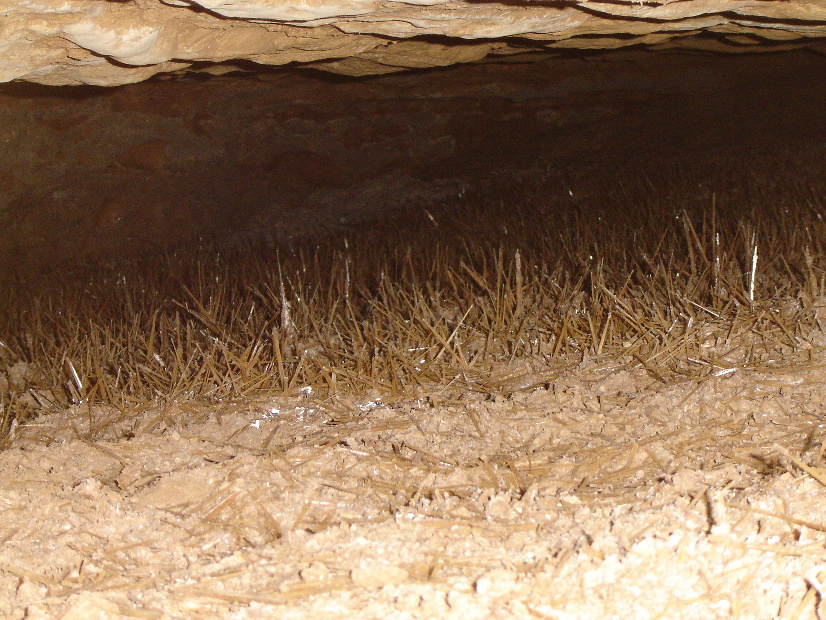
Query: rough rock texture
116	42
91	172
648	503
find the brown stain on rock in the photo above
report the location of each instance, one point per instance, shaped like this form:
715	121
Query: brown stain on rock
296	169
61	124
110	215
202	124
165	99
150	155
8	179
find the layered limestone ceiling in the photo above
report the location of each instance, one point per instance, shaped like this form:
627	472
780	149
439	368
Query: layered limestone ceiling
114	42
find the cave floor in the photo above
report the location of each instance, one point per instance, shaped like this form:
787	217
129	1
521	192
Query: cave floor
599	492
600	489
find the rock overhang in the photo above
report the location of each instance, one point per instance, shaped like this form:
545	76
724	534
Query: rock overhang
114	42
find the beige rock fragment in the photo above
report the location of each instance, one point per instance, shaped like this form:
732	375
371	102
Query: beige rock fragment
377	576
179	488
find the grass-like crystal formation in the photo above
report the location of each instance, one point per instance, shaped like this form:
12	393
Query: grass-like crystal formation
685	273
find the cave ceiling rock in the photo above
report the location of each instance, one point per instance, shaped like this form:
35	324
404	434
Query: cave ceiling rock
110	42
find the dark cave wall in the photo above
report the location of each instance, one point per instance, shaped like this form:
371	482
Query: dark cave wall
101	173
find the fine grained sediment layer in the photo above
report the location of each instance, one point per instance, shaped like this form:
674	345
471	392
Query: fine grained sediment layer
61	42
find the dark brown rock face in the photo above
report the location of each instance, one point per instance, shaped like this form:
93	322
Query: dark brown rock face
100	172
